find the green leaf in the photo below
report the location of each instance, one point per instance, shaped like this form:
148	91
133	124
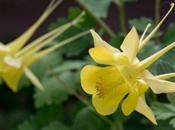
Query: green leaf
171	98
169	34
54	93
149	49
70	65
67	77
164	67
87	23
141	23
43	117
163	111
163	125
172	122
98	7
27	125
86	119
77	47
168	57
56	125
120	2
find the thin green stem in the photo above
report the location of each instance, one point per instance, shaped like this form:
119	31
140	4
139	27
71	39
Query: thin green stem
122	17
157	15
157	11
73	92
98	20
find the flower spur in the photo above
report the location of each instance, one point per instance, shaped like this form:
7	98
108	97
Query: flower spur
16	57
125	79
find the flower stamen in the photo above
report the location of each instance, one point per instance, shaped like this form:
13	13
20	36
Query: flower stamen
144	33
156	28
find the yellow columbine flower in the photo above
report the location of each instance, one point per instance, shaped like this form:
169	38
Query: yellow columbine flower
15	57
125	79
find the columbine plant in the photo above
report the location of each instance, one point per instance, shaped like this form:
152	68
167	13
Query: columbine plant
125	79
16	57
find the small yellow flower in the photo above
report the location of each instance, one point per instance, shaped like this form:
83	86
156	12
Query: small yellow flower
125	79
15	57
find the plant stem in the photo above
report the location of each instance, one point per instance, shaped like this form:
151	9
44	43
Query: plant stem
157	11
73	92
122	17
98	20
157	15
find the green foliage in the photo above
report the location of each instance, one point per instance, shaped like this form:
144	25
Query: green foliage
169	34
55	125
98	7
89	121
164	111
42	118
120	2
60	105
140	24
54	93
171	98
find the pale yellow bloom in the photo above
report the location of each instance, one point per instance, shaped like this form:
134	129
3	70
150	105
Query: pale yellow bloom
125	79
15	57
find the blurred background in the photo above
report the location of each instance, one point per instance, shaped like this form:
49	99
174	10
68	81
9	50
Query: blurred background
63	105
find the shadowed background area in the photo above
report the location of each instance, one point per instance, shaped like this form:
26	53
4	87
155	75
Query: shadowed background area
16	17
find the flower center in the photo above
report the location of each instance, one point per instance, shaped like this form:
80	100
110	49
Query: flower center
108	83
100	89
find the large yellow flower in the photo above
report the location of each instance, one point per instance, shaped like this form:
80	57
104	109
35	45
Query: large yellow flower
125	79
15	57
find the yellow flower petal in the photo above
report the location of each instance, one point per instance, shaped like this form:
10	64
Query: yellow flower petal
166	76
160	86
144	109
98	42
108	103
94	78
102	55
4	49
129	104
12	76
142	86
88	78
137	90
130	44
